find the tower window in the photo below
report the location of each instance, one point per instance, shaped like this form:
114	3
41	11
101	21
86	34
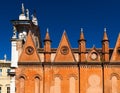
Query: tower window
8	71
8	89
0	90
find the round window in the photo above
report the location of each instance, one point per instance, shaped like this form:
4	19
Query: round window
94	56
64	50
29	50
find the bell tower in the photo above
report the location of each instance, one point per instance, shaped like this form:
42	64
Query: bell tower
25	24
21	28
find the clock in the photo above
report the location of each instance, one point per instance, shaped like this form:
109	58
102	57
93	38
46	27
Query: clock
64	50
94	56
29	50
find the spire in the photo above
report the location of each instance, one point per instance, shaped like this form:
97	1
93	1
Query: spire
105	35
82	35
47	47
64	32
22	15
47	37
94	46
105	47
23	9
82	47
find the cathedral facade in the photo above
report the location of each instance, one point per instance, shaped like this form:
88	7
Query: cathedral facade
37	69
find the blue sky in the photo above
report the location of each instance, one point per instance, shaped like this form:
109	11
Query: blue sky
57	15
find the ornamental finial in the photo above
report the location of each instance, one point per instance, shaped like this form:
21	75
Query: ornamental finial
23	9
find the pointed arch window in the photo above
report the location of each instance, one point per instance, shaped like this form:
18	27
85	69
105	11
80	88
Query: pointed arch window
57	87
114	84
37	85
22	84
72	85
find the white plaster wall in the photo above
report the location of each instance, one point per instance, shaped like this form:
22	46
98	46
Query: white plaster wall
14	55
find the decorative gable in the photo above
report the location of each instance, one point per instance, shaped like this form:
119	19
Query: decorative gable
93	55
64	52
29	53
116	52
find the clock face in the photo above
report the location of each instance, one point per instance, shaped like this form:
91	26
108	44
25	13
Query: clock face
94	56
29	50
64	50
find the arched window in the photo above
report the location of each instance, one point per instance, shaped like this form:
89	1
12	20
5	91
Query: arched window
37	85
57	86
0	89
72	85
22	85
114	84
8	88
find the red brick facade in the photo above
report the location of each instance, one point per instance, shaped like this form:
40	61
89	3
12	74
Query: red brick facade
67	70
63	69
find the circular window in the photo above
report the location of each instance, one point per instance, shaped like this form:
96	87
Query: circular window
29	50
94	56
64	50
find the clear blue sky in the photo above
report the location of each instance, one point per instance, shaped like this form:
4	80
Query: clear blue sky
57	15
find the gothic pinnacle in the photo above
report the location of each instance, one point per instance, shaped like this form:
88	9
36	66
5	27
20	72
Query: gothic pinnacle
47	37
82	35
105	35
